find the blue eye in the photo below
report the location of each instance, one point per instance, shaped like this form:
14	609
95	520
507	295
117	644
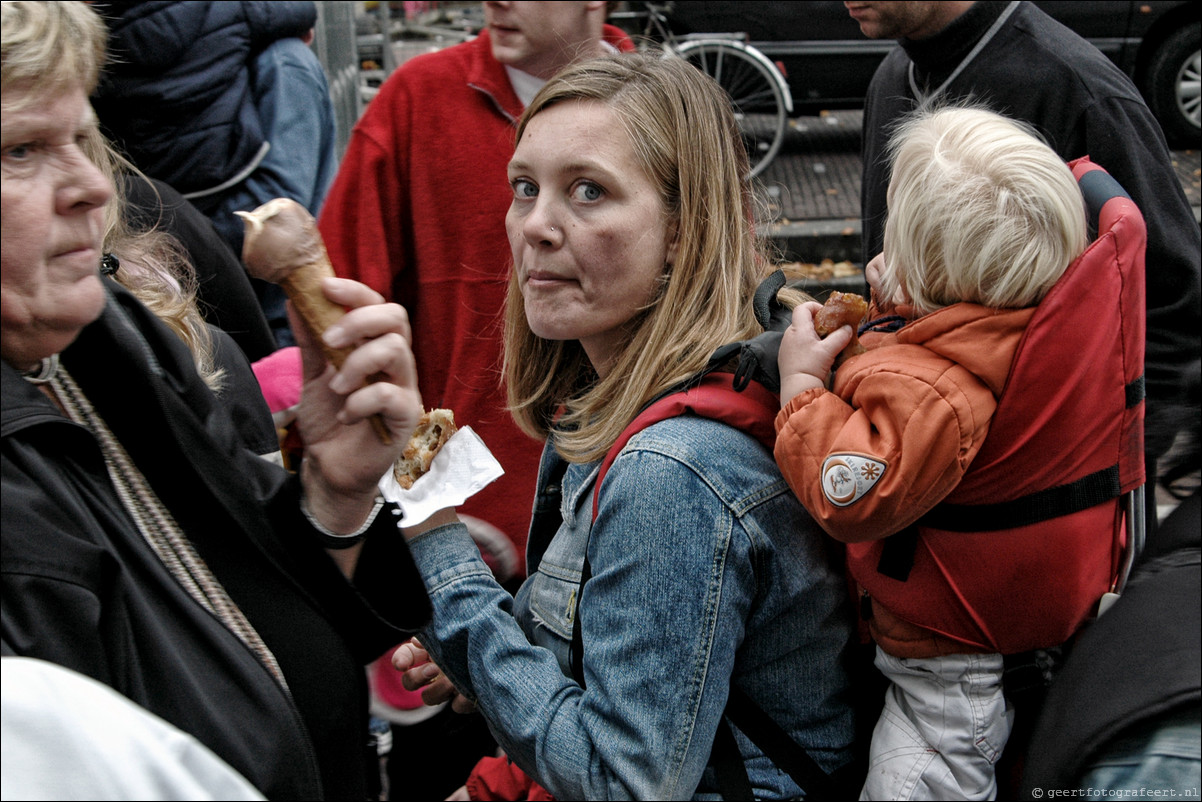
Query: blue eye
587	191
523	188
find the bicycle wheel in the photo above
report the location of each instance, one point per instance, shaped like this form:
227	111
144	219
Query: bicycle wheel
756	89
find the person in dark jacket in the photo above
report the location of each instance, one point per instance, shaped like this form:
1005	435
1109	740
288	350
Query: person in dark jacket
143	545
1020	62
226	103
177	95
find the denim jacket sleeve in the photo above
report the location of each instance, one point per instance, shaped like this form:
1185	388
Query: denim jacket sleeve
677	552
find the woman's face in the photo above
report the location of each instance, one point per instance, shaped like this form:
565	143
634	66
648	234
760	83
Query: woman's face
589	234
52	221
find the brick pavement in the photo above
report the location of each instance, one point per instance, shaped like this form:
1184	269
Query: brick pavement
812	188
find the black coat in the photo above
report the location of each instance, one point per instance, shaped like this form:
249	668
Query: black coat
81	588
1136	666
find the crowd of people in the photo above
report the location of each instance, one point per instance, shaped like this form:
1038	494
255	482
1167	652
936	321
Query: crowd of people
729	557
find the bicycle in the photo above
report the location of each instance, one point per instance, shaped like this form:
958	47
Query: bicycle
759	92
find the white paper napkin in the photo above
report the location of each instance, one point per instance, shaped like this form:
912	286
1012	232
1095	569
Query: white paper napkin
460	470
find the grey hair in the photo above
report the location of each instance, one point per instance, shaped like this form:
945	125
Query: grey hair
48	47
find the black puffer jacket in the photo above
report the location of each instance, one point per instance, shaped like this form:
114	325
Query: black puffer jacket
176	96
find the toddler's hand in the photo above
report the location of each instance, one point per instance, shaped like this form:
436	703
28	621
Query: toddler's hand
805	359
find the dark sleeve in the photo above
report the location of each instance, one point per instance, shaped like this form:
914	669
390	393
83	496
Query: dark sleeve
1122	136
235	506
271	19
226	297
242	396
384	603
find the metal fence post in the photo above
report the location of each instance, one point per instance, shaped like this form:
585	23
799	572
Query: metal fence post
336	46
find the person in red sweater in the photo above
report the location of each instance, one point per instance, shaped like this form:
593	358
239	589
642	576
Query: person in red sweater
417	212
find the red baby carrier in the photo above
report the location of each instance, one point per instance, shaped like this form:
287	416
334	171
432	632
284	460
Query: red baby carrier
1023	572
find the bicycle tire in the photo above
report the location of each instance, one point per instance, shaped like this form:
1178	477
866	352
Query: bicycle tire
758	96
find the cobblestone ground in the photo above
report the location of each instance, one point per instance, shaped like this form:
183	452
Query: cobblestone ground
817	174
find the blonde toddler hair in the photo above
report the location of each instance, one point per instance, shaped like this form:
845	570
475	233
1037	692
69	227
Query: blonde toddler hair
981	210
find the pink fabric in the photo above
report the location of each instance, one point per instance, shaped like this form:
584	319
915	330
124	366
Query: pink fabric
386	684
280	378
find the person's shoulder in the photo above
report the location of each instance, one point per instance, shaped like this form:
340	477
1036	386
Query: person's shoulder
710	462
718	451
895	63
426	77
887	86
1058	44
694	430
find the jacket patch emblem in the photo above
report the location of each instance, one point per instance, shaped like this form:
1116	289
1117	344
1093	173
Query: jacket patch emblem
847	477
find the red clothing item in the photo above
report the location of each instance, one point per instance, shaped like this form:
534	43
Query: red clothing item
417	212
904	431
917	404
495	779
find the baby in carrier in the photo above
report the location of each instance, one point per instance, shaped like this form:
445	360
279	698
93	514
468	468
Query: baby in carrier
893	458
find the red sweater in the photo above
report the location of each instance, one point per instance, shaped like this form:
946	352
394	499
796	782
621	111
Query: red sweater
417	212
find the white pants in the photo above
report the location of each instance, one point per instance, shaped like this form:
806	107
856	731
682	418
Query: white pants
942	729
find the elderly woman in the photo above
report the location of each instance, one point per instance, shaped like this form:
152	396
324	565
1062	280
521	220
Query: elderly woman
634	260
142	546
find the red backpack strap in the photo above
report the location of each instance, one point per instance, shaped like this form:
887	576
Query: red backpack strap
1118	221
752	410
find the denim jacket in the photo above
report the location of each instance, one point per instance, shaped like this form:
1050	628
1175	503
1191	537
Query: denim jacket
705	570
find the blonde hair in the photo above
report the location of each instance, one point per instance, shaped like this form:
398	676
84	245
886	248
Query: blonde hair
684	136
51	48
981	210
154	265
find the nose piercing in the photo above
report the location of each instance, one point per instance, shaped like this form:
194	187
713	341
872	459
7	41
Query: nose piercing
552	228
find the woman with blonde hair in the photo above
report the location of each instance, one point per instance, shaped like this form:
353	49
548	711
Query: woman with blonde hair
635	259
